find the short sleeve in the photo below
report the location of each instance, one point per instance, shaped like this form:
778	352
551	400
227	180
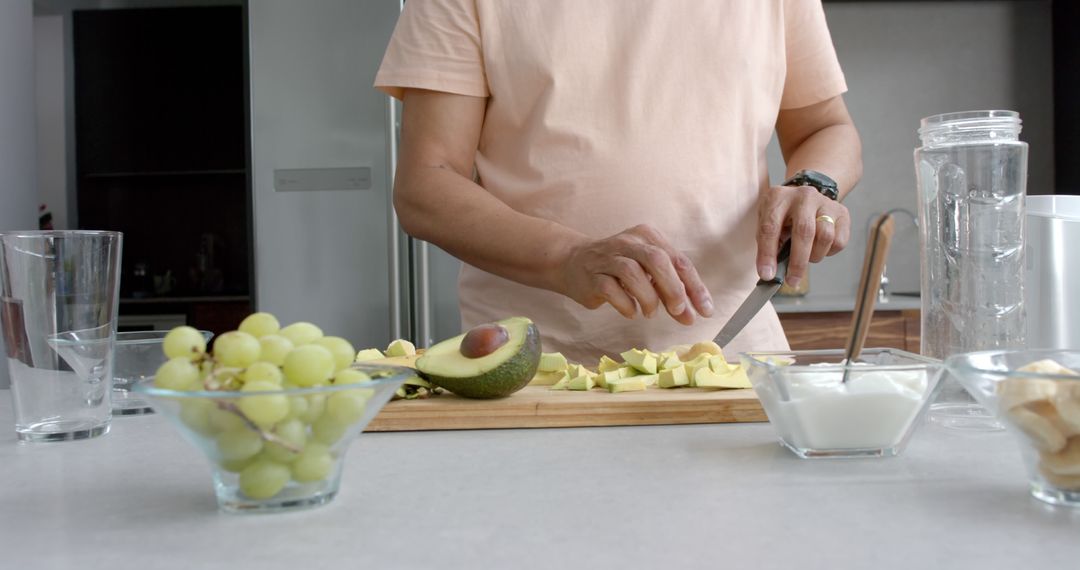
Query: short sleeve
436	45
813	71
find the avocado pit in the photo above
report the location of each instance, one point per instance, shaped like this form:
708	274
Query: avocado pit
484	340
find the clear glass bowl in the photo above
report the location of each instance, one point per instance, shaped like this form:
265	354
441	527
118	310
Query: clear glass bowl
292	463
138	356
818	415
1041	409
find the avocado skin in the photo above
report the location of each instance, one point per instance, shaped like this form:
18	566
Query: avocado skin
507	378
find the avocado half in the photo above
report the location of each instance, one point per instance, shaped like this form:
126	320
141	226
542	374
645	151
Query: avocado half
496	375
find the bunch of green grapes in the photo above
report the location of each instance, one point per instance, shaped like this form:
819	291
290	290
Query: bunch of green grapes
270	437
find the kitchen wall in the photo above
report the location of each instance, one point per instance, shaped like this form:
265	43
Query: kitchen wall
18	197
51	116
908	60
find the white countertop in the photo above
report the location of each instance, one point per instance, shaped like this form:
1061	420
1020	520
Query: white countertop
832	302
710	496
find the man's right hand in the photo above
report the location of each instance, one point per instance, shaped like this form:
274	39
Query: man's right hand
636	268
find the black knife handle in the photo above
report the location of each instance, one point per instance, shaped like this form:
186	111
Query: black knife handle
785	252
781	262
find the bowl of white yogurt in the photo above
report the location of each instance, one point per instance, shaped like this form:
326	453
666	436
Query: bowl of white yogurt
819	414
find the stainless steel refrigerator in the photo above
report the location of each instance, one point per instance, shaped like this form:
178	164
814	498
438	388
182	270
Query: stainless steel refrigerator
327	245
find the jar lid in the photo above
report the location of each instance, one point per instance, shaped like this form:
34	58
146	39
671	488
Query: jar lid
993	123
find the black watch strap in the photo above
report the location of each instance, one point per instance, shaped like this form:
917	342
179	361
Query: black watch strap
825	185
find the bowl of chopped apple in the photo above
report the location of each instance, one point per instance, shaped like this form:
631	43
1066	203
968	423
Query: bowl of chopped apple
272	408
1037	394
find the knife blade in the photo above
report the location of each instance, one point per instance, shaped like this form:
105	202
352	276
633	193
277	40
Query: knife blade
762	292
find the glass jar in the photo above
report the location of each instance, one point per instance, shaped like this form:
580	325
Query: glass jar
972	175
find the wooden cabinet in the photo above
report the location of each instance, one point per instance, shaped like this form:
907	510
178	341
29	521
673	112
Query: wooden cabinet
891	329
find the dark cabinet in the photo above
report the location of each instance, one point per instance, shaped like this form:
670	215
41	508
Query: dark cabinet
161	149
159	90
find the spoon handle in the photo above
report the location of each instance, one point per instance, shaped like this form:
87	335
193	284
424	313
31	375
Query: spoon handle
877	250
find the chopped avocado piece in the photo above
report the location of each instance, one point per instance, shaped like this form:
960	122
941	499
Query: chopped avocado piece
501	373
738	379
607	364
369	354
706	378
575	370
547	378
400	347
623	372
581	383
719	365
414	388
641	360
699	362
552	362
561	384
673	378
417	381
632	384
667	361
649	379
603	377
406	361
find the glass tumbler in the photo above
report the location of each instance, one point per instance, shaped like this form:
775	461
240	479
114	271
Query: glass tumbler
58	300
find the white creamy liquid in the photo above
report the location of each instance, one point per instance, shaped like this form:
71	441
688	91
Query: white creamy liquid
874	409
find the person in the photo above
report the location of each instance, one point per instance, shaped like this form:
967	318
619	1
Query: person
597	165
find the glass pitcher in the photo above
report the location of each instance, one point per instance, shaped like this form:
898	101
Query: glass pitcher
972	175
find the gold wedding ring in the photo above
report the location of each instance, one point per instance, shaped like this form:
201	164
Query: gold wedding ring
826	218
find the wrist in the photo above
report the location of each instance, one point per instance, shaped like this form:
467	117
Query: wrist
558	256
820	181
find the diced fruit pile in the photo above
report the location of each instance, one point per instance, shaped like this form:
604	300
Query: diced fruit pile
401	353
269	437
698	366
1048	414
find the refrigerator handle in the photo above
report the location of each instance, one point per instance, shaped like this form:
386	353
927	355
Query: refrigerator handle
424	334
394	250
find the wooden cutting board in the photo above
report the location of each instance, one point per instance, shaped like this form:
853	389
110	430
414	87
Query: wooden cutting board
541	407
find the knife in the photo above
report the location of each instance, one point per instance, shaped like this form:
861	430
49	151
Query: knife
763	291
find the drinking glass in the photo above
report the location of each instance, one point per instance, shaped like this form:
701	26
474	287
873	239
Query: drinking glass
58	302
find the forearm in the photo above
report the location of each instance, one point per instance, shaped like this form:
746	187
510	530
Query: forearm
834	150
440	206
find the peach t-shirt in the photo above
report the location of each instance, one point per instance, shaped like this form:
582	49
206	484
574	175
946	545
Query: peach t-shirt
605	114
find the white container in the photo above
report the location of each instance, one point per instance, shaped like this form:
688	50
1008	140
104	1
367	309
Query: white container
1052	277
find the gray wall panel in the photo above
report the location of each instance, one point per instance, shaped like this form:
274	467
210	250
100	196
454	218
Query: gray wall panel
907	60
18	193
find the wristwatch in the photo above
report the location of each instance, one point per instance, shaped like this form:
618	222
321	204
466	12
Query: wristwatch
825	185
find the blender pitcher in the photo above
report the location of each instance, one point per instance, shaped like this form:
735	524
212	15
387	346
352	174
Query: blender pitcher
972	174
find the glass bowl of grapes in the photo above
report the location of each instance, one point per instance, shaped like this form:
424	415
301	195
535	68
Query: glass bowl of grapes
272	408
